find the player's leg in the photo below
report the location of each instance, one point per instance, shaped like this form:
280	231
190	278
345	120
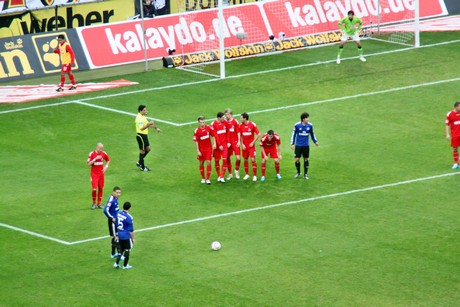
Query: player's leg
208	170
252	154
113	243
224	163
140	142
217	156
343	40
237	162
297	153
100	190
306	164
229	163
93	190
455	155
277	168
201	167
360	48
72	79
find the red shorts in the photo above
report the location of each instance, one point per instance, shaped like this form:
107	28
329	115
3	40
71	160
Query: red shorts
97	181
66	68
249	152
205	155
233	149
455	141
270	152
220	154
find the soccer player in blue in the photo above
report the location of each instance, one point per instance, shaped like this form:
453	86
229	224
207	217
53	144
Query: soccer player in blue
111	211
125	228
300	142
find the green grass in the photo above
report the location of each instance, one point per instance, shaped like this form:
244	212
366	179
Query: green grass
343	245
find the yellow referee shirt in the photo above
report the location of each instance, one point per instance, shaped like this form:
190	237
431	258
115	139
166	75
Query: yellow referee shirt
141	121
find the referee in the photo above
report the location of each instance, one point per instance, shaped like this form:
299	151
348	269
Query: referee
142	125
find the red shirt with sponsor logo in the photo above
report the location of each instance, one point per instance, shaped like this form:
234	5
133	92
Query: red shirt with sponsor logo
220	132
453	120
265	142
248	131
202	136
233	128
96	168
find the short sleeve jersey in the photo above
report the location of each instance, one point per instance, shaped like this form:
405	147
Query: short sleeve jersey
453	120
141	121
233	130
350	26
248	131
203	138
220	132
98	166
265	142
125	225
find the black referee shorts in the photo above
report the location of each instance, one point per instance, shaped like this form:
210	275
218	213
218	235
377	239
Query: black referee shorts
302	151
143	141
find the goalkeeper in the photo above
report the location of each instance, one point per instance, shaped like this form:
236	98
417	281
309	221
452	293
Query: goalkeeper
350	26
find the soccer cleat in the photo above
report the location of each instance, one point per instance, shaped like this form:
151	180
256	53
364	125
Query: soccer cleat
222	179
230	176
59	89
114	255
93	206
306	176
99	206
138	164
254	178
203	180
126	267
297	175
338	61
73	87
363	59
208	182
262	178
246	177
278	176
237	174
145	169
455	166
116	265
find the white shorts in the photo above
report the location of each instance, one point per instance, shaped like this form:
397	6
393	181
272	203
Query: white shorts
354	37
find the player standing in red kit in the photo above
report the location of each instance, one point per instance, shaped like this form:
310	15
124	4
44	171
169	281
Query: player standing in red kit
219	128
453	131
270	145
202	139
67	59
96	160
249	136
234	141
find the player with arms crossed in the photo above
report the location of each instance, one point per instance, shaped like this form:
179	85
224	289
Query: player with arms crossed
220	133
270	145
249	136
234	141
300	142
202	139
453	131
96	160
67	60
125	227
350	26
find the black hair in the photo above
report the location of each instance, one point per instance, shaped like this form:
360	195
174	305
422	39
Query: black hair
116	188
141	107
126	205
304	115
456	104
200	118
351	12
220	114
61	36
271	132
245	115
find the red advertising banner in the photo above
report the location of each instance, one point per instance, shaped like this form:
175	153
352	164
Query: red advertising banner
114	44
121	43
300	17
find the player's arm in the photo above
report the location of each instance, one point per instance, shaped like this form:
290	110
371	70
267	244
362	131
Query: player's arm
107	162
293	138
198	149
448	136
342	24
278	147
313	137
91	160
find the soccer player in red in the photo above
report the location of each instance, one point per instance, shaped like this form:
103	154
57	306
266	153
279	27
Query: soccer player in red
453	131
249	136
270	145
202	139
96	160
234	140
220	133
67	59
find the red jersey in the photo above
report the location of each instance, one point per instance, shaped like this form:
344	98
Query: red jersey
233	128
98	166
248	131
220	133
266	143
203	138
453	120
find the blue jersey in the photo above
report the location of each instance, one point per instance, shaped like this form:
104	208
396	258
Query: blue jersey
111	207
302	133
124	225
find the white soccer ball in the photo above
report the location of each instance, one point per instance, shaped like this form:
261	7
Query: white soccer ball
216	245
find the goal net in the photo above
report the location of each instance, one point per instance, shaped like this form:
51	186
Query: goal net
255	29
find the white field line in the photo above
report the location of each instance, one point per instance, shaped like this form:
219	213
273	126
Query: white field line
215	80
288	203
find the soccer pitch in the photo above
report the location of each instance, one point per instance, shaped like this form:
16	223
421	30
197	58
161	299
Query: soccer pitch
376	224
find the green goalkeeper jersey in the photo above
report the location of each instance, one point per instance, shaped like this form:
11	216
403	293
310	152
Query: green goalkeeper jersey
350	26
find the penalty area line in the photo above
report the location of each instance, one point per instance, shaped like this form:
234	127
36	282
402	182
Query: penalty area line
294	202
35	234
